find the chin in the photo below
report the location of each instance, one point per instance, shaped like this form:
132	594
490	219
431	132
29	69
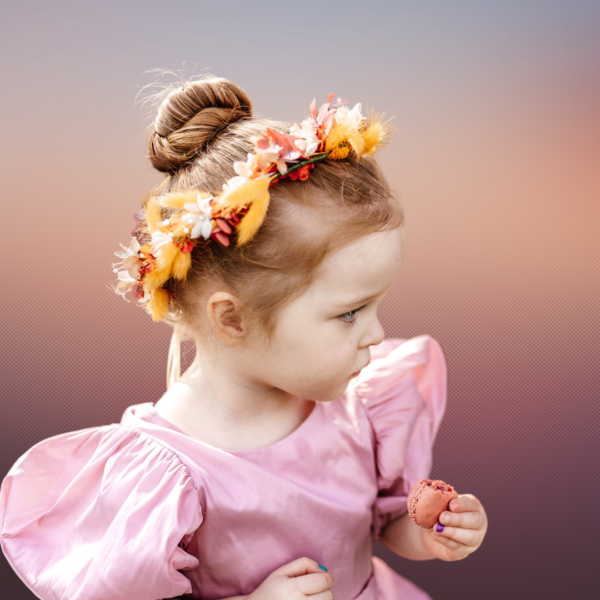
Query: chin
332	392
337	393
325	397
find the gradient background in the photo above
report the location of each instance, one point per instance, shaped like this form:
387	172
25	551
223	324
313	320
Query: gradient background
496	157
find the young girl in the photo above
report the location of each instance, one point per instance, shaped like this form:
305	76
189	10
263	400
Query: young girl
268	468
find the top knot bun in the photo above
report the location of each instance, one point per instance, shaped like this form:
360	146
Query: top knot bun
191	116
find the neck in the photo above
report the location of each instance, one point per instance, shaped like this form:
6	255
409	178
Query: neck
226	387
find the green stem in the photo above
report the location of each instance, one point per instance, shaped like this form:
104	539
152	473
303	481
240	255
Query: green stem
308	161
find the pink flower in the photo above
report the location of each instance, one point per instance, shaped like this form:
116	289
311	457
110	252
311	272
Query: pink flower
278	148
307	140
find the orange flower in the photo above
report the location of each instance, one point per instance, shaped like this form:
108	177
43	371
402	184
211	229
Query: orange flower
302	173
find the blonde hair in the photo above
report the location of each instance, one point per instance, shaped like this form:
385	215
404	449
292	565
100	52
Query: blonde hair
201	128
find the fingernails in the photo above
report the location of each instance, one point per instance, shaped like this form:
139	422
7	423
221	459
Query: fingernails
439	527
322	567
455	505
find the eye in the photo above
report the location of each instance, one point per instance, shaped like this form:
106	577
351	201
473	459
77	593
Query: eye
351	313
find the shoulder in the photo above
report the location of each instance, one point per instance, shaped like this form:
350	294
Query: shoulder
403	372
403	392
119	447
77	506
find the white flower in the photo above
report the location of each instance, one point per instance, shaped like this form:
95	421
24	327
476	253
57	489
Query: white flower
131	259
125	283
265	158
244	171
199	217
306	138
281	165
159	238
125	288
354	116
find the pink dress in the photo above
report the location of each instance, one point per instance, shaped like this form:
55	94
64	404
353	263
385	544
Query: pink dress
140	510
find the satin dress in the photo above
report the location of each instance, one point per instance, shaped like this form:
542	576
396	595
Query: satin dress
141	510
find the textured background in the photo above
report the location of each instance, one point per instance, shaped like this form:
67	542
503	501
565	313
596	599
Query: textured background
496	157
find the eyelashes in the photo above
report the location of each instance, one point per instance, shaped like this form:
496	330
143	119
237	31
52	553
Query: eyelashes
351	312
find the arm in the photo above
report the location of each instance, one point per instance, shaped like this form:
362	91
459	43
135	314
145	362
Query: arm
405	538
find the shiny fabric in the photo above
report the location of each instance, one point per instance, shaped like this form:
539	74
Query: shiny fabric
140	510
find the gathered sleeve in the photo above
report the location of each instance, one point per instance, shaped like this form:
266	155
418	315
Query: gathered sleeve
100	514
403	391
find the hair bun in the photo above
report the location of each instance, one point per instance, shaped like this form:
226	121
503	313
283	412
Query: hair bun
191	116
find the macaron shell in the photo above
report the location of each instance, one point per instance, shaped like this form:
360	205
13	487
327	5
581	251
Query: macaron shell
427	501
413	497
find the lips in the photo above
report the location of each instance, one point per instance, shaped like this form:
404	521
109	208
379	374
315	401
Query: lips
357	372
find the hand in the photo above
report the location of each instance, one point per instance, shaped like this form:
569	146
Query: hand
464	529
295	581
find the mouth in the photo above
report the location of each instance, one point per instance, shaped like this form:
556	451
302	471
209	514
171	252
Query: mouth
358	372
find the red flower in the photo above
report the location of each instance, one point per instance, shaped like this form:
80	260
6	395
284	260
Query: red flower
223	225
221	237
186	246
302	173
137	290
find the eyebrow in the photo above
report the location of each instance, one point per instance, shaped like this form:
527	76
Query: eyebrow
356	301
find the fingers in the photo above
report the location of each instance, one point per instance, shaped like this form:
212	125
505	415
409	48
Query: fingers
453	550
326	595
314	583
308	576
300	566
465	503
467	537
465	511
468	520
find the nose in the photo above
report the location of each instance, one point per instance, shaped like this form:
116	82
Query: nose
374	334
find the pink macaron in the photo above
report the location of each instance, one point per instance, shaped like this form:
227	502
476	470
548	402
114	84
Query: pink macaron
428	498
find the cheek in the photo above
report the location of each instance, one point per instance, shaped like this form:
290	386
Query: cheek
323	347
335	358
344	338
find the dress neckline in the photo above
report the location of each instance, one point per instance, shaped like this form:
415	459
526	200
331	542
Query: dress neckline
157	419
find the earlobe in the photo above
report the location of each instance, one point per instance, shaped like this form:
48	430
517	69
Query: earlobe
224	313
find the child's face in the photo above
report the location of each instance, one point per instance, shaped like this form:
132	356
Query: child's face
321	340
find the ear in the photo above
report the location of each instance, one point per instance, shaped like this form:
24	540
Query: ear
225	315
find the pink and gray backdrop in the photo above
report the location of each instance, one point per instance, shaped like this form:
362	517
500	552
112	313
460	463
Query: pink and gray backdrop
496	157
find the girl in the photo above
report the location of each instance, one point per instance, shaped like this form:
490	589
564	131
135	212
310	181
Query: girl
268	468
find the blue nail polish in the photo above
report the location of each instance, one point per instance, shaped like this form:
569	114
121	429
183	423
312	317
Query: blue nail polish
439	527
322	567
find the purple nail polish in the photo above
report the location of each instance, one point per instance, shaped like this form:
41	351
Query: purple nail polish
439	527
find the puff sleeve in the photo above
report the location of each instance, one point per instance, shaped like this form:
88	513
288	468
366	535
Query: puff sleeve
403	391
100	514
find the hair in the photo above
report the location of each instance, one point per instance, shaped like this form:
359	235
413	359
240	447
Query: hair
201	128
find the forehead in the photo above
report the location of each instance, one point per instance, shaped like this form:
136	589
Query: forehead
368	265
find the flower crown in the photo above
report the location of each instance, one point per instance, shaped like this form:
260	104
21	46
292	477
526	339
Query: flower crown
331	133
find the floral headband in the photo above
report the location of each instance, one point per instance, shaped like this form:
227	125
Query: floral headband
331	133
